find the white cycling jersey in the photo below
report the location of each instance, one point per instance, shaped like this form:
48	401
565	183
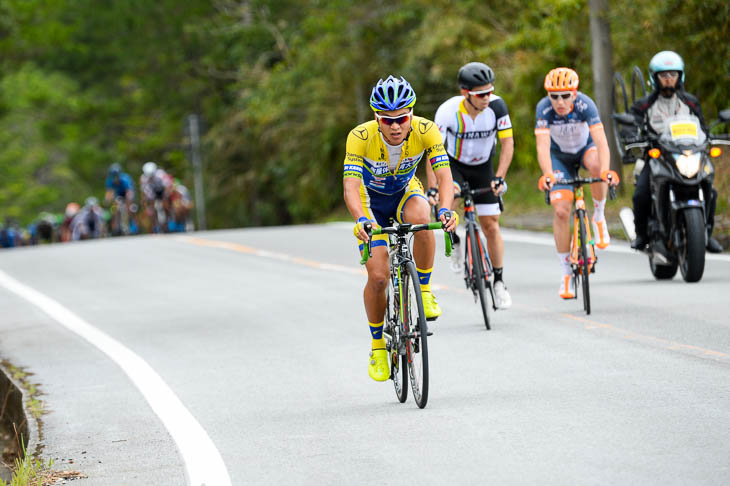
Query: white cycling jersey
472	142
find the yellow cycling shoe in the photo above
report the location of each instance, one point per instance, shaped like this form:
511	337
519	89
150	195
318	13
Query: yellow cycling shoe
430	306
378	366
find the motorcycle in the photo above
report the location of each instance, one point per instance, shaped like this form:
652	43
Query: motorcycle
681	176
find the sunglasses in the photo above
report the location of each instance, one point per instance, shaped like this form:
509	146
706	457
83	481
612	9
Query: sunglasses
389	120
668	74
564	96
481	94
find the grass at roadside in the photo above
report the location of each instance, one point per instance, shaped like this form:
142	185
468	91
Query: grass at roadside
30	471
26	469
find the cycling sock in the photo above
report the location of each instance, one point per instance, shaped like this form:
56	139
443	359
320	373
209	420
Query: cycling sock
598	207
498	274
425	277
564	259
376	329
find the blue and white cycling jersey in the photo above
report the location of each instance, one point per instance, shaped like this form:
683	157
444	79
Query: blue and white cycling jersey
125	184
571	133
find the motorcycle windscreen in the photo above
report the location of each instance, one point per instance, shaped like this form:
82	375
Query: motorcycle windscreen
682	132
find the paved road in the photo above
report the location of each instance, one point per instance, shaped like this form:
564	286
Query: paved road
261	337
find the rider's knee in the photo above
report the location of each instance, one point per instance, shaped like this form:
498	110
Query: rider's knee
490	226
378	279
562	212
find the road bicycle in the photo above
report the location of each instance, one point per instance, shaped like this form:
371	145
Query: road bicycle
119	223
582	250
477	264
405	329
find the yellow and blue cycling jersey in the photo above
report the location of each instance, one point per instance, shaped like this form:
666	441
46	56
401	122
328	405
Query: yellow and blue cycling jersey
386	186
367	155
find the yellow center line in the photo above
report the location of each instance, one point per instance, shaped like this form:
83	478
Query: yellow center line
588	324
653	341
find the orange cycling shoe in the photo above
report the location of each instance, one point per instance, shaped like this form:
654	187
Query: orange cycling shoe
567	287
600	233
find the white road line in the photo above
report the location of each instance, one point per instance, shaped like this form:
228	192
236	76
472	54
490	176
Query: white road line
203	463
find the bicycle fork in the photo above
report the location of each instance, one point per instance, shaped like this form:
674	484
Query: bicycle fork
580	213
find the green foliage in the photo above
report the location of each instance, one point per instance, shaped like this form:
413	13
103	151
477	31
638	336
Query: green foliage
279	83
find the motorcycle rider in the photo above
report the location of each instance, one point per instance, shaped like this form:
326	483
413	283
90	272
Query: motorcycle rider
666	74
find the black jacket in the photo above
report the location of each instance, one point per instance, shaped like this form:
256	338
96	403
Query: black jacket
641	106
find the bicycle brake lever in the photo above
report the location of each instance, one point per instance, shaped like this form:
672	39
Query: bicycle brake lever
612	192
367	247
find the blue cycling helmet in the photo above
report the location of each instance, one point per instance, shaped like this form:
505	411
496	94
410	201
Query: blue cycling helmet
392	94
665	61
115	170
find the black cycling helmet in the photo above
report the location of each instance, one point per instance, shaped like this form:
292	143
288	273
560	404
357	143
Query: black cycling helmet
475	74
115	170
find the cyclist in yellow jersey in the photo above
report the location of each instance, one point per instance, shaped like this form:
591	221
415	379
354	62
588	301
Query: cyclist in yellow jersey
380	183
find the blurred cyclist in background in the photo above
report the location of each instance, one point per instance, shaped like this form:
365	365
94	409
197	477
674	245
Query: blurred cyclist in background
10	235
156	186
88	222
120	188
181	204
71	211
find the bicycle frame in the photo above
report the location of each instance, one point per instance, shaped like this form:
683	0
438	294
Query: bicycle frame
579	212
471	220
405	332
477	264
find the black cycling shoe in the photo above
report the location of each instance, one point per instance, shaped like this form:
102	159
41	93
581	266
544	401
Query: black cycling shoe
639	242
714	246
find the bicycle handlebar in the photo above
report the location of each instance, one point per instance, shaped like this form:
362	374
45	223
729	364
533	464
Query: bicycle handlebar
579	181
401	230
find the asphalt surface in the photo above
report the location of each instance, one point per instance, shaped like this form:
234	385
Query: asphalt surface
261	334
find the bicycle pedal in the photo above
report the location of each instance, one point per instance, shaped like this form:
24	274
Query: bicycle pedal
429	333
431	319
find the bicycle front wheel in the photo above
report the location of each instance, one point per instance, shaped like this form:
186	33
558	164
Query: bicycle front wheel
396	346
415	333
476	260
585	265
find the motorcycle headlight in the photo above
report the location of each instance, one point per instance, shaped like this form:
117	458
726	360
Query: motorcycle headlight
688	163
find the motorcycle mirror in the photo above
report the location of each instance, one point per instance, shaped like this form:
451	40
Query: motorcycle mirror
625	118
724	115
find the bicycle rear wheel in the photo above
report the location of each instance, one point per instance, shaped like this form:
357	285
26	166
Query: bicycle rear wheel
396	348
415	334
585	266
476	250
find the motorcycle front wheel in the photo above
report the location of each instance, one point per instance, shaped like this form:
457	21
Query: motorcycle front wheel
692	249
